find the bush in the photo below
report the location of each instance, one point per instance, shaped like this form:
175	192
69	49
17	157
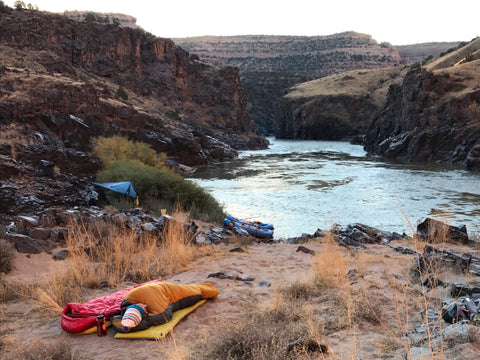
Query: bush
7	253
122	94
120	148
155	184
163	185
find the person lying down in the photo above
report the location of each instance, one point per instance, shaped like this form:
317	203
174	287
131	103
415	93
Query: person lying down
154	304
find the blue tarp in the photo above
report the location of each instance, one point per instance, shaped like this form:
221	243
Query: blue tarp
124	187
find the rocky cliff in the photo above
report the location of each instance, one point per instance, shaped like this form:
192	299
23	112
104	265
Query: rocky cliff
336	107
270	64
64	82
420	52
434	115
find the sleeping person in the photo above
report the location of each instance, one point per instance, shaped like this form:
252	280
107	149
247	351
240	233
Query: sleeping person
154	303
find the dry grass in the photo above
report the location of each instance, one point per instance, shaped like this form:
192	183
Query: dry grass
7	254
108	254
36	349
265	333
349	293
330	265
357	82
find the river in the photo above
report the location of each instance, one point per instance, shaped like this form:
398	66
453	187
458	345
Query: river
302	186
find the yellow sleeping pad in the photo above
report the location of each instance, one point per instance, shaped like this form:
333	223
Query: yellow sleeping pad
160	331
93	329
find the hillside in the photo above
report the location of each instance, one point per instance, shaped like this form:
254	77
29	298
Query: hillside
65	82
270	64
336	106
419	52
434	114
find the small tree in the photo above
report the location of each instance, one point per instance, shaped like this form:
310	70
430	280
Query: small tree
19	5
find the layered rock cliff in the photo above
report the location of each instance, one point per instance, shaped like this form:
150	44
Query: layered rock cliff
336	107
434	115
271	64
64	82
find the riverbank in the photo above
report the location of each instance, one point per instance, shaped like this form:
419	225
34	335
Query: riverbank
301	186
367	303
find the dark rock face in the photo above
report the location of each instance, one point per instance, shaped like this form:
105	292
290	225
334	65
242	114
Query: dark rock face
420	123
175	82
430	229
325	117
64	83
271	64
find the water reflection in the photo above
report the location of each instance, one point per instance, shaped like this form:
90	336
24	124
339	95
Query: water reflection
301	186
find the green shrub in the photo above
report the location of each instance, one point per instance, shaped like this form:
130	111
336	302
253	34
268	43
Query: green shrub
7	253
122	93
157	186
162	186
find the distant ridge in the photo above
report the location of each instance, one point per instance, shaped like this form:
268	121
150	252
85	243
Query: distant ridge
270	64
122	20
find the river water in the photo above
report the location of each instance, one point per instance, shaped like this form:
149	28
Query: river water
302	186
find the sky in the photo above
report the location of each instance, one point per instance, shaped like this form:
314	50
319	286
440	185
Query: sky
398	22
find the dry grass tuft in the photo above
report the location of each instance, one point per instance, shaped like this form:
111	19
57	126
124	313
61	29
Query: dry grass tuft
265	333
36	349
10	291
330	265
176	250
7	254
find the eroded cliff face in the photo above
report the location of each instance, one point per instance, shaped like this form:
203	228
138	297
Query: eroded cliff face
329	117
63	83
336	107
431	116
271	64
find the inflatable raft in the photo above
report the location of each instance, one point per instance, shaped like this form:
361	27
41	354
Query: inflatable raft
253	228
251	223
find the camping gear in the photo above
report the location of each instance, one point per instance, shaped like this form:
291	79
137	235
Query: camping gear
160	331
124	187
252	223
101	325
163	299
82	318
253	229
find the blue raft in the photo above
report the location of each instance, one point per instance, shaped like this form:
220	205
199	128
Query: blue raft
257	229
251	223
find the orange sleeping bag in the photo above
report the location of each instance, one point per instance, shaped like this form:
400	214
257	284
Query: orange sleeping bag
163	298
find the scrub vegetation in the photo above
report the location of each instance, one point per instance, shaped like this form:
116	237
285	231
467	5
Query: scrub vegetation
157	186
349	297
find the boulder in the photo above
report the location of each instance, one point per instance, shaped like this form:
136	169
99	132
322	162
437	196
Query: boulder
27	245
437	231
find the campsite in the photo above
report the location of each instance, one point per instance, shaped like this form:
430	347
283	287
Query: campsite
312	297
115	245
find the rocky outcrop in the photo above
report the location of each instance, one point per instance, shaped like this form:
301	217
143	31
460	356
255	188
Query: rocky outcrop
116	80
65	82
270	64
418	53
432	116
335	107
330	117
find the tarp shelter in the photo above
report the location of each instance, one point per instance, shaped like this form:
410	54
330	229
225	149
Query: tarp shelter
124	187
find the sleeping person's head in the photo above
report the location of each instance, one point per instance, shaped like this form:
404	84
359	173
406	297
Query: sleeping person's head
133	315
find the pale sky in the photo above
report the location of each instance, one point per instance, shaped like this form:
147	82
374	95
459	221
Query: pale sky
397	22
